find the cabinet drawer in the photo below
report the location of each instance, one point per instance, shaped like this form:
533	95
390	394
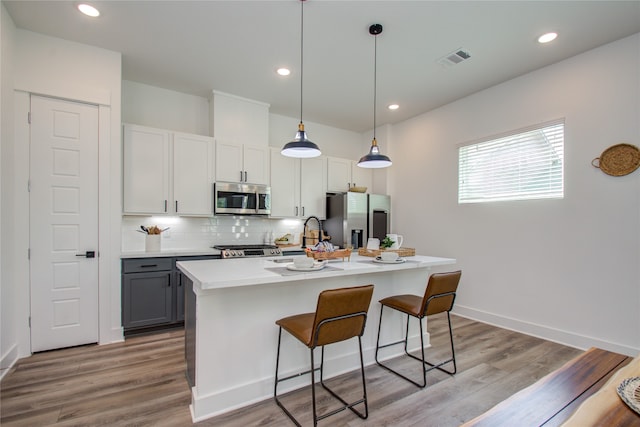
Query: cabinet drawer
140	265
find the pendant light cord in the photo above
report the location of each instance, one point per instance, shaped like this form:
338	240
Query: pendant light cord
301	52
375	78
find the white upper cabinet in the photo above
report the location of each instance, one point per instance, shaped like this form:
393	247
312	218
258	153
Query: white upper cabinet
361	177
240	127
146	170
166	172
298	186
192	174
242	163
343	174
313	187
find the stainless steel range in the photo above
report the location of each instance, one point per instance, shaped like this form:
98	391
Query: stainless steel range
245	251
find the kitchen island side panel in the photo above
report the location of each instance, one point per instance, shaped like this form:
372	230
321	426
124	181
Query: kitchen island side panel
190	330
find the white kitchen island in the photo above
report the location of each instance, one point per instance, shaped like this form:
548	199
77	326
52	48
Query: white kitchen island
231	335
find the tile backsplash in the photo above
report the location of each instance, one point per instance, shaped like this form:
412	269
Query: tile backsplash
201	233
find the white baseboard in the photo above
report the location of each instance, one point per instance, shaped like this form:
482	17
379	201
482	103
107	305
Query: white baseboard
8	360
560	336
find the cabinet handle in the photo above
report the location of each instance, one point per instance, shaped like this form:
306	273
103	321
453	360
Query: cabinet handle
240	176
165	205
296	211
348	185
176	206
303	211
245	176
148	265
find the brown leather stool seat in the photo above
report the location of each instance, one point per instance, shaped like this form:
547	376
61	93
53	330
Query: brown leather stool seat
438	298
340	314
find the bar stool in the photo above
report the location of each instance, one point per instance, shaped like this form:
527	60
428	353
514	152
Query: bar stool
340	314
438	298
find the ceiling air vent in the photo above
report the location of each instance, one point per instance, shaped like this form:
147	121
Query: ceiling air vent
454	58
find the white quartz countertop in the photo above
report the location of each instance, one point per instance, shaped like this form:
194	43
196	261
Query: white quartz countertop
228	273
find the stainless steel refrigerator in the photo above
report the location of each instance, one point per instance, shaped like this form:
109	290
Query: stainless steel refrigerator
354	217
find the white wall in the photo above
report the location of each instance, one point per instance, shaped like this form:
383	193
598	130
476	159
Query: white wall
567	270
156	107
8	336
58	68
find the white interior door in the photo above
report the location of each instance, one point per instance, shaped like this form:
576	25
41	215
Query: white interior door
63	223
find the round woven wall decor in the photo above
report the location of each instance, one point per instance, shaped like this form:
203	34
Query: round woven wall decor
618	160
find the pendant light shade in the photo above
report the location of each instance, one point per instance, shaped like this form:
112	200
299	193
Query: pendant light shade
374	159
300	146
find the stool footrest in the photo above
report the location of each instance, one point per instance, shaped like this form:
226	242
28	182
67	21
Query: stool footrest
299	374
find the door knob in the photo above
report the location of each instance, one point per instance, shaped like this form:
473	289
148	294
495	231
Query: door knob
88	254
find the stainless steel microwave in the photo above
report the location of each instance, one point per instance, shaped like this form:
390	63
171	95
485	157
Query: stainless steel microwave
230	198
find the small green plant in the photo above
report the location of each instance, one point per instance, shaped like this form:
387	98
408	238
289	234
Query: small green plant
386	243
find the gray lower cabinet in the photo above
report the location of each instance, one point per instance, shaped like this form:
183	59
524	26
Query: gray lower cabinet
147	292
153	292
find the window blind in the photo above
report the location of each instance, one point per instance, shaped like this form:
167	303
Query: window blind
524	165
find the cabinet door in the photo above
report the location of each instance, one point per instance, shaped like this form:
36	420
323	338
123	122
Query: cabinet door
192	174
361	177
256	164
285	185
338	174
147	299
145	170
313	187
229	162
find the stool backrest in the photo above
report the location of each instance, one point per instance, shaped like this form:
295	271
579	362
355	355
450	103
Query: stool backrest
440	293
341	314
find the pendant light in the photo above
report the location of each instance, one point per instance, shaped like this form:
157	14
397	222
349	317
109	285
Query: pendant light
374	159
301	146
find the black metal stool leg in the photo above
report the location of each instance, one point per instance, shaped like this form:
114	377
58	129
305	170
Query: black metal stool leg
422	359
437	365
403	341
313	386
275	387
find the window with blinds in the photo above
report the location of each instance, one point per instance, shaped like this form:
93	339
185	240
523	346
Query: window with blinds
528	164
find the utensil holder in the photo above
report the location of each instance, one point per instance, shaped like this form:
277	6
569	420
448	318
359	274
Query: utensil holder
152	243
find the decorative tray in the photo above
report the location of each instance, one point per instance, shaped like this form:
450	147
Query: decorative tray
337	254
618	160
376	252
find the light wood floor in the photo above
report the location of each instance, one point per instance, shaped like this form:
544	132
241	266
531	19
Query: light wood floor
141	383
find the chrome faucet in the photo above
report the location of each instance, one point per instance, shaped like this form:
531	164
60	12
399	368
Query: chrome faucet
304	231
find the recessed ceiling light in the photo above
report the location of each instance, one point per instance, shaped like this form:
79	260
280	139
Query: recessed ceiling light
548	37
393	106
283	71
88	10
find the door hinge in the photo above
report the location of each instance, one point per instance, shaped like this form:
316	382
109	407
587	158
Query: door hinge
29	321
29	253
29	186
29	117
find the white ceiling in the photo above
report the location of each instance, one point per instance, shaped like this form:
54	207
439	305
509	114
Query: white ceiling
235	47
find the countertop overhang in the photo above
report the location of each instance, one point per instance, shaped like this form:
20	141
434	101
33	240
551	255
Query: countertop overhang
230	273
